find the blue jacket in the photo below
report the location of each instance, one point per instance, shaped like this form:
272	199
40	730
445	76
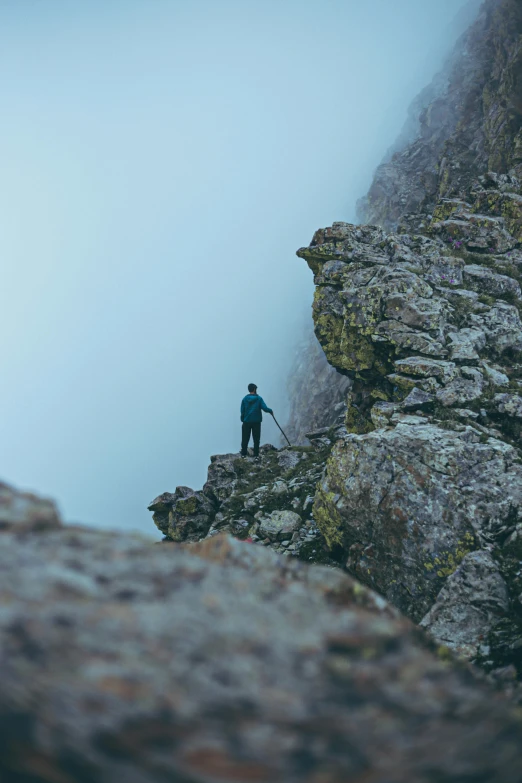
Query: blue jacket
251	407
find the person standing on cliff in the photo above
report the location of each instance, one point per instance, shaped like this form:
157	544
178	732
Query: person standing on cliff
251	417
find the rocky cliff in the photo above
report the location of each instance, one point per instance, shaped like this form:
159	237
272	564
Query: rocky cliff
422	312
469	122
419	475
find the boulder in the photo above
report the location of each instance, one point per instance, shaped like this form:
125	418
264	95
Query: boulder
509	404
184	515
435	330
279	525
406	505
221	662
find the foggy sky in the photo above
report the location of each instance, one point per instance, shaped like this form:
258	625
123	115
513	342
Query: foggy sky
162	160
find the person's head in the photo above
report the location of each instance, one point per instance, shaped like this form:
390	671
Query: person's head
252	388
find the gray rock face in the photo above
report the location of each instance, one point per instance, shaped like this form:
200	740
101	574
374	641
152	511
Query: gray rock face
484	281
382	413
432	337
387	303
472	602
214	662
510	404
184	515
477	233
421	493
417	399
280	525
408	504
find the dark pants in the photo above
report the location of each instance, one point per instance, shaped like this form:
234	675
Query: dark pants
253	427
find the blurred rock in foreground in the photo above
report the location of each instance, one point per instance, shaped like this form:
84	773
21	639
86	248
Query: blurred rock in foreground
220	661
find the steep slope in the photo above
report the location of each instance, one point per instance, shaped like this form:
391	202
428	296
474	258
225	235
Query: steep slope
424	495
470	122
431	470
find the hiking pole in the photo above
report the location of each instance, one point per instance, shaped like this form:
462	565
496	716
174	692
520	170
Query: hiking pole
274	418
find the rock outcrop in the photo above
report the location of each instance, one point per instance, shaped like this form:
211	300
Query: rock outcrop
470	123
220	661
267	501
467	123
422	499
427	325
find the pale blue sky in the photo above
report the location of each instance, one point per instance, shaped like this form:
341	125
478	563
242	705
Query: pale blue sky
161	162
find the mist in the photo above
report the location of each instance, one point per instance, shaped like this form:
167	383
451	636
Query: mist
161	163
